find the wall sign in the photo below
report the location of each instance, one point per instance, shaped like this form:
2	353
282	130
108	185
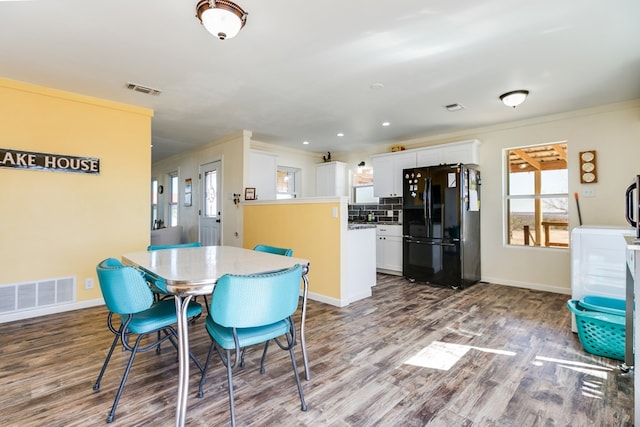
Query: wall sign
18	159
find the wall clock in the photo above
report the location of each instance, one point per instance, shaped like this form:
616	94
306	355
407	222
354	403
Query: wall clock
588	167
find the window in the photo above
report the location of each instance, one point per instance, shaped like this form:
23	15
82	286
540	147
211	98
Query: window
287	182
173	200
537	196
154	202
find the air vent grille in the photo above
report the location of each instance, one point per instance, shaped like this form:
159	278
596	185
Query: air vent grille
28	296
143	89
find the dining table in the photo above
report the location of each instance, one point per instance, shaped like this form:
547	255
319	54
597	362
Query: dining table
189	272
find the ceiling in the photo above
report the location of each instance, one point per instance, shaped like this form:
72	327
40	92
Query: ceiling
306	71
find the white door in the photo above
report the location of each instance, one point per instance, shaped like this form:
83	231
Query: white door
210	204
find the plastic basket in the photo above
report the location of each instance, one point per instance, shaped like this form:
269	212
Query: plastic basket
602	334
604	304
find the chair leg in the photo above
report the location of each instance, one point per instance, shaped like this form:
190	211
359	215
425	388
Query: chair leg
264	356
112	414
230	381
96	386
203	378
295	372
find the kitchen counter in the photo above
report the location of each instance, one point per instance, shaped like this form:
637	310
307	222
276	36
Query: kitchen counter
360	225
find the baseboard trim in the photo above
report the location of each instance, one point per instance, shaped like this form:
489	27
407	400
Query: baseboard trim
528	285
60	308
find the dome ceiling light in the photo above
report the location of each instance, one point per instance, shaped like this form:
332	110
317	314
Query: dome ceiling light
222	18
514	98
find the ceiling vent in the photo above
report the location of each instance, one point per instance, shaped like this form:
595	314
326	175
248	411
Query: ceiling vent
143	89
454	107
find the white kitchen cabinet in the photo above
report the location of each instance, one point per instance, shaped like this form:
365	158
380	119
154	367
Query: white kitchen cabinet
331	179
465	152
263	171
389	249
387	172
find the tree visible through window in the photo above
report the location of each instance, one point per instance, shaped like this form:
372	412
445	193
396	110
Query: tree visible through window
537	195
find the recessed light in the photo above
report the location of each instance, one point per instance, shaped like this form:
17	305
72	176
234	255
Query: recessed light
305	142
340	134
386	124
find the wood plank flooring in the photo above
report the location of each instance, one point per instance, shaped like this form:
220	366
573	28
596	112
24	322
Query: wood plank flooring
513	361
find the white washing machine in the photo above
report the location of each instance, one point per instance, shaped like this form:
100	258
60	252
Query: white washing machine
598	262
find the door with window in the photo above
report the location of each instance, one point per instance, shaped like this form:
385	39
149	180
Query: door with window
210	207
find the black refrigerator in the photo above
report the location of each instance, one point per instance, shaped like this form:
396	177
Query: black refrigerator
441	226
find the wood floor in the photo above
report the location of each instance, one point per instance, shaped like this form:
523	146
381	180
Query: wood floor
506	357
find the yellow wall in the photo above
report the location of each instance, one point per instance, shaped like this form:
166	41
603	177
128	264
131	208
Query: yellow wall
57	224
307	228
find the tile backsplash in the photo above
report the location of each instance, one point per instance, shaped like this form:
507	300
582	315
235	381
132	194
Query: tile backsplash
379	210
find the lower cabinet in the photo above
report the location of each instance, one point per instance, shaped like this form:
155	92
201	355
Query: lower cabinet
389	248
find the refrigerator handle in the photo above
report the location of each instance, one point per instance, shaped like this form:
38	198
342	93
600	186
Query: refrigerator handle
427	204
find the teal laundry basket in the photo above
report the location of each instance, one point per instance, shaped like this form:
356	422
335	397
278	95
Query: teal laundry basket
600	333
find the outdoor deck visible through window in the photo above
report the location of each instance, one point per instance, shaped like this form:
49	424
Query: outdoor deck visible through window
537	196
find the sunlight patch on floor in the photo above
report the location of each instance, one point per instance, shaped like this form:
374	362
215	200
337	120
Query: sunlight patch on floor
590	388
443	356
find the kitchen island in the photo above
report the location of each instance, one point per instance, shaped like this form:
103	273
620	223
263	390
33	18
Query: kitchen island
342	256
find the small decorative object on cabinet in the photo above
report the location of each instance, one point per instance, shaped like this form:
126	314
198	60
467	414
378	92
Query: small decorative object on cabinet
588	168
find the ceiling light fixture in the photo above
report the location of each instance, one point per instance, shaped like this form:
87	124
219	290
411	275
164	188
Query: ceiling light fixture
514	98
222	18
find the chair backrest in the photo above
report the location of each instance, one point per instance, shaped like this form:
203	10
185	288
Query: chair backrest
176	246
274	250
123	288
256	300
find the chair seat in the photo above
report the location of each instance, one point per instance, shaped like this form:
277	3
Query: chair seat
161	314
246	336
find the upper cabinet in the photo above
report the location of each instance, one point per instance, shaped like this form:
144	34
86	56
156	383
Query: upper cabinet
387	168
387	172
331	179
263	170
465	152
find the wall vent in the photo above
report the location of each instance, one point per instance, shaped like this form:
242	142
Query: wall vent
31	295
143	89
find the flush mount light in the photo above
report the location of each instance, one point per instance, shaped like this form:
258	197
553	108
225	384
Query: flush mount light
514	98
222	18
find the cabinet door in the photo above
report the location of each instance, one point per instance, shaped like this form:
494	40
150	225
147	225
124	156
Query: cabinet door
464	152
393	253
263	170
380	252
401	161
382	176
331	179
429	157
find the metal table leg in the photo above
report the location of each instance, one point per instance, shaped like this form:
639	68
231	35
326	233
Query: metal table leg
305	292
183	358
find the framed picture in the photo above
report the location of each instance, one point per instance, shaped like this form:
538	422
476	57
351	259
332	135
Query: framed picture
187	192
250	193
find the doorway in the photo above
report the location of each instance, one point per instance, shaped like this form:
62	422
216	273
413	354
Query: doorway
210	213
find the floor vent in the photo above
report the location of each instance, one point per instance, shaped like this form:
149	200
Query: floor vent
31	295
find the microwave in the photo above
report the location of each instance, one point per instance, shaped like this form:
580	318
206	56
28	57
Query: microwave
632	205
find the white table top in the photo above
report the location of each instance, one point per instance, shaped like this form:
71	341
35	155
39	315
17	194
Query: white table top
194	271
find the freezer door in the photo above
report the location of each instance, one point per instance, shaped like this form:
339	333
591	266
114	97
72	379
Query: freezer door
432	261
447	187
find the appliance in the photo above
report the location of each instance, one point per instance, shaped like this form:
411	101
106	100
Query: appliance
598	262
632	205
224	19
441	225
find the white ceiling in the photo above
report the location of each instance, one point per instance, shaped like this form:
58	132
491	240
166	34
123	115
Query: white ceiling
303	70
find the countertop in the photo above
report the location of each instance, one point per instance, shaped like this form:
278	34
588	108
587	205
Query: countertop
360	225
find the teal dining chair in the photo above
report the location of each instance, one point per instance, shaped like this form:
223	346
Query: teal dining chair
127	296
273	250
248	310
157	286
